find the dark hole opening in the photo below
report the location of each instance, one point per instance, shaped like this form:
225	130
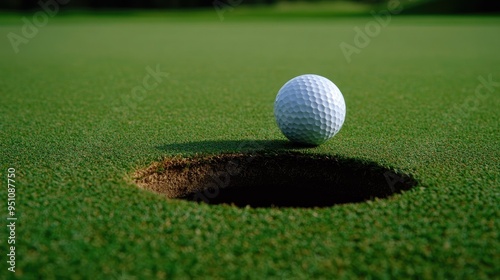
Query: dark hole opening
272	180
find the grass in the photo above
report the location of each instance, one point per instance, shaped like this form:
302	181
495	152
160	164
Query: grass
75	133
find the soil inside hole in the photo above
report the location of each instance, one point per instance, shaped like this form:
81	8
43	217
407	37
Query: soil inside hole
272	180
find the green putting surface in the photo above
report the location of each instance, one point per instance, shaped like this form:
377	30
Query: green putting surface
77	119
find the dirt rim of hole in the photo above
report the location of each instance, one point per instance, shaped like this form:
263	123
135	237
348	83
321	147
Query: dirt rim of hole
272	179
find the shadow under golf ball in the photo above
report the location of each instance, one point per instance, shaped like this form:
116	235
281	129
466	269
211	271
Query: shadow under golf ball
272	179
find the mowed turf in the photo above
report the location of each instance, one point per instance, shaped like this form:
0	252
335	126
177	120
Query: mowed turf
74	128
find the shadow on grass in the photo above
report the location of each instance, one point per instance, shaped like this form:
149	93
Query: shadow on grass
226	146
272	179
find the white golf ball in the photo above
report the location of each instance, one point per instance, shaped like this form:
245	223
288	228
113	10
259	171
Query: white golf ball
309	109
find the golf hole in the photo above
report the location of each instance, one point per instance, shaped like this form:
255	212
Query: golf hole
272	180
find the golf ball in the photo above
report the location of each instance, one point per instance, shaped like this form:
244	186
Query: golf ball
309	109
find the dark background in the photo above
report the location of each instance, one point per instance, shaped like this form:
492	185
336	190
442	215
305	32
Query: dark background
423	6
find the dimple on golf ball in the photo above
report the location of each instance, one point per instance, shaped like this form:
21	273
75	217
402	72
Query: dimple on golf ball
309	109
